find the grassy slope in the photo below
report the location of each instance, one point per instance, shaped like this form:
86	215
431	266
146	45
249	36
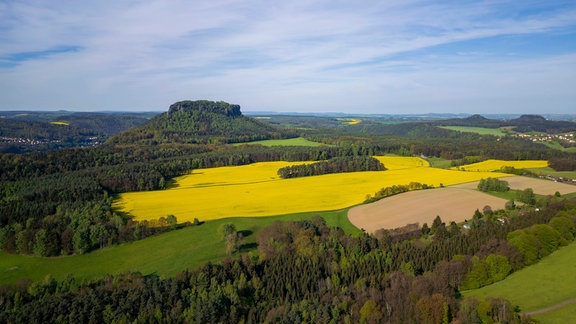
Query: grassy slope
547	283
559	316
555	145
165	254
478	130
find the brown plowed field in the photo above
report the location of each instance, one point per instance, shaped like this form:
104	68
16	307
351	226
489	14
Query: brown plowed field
540	187
422	206
455	203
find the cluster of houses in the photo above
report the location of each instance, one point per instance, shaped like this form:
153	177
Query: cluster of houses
566	138
25	141
90	141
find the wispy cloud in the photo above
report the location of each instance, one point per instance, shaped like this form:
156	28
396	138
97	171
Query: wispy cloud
360	56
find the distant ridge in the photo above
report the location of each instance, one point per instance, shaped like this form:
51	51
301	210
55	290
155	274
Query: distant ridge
530	118
524	123
476	118
200	122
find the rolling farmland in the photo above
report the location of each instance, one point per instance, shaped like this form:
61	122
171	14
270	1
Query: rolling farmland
456	203
256	190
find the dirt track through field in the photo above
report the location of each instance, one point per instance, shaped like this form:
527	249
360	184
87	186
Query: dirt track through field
551	308
422	206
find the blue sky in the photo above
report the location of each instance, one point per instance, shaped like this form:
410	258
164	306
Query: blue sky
385	57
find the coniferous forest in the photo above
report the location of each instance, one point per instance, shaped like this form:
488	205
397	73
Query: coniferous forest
308	272
57	202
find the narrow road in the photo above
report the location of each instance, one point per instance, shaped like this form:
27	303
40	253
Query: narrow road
547	309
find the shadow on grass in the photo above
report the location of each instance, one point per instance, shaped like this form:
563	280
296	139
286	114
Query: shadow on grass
246	233
248	247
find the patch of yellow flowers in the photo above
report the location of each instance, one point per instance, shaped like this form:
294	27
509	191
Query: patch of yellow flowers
256	189
496	165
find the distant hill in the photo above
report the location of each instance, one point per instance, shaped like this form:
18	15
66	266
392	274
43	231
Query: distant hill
22	131
522	124
200	122
107	123
17	136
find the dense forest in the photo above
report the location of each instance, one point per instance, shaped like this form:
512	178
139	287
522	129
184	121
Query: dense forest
59	202
522	124
308	272
22	132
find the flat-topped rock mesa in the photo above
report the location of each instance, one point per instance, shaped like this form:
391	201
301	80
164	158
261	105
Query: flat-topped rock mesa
200	122
217	107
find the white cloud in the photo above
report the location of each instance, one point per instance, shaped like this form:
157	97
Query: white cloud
297	55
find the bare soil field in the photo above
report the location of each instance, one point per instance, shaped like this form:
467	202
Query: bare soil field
540	186
455	203
450	203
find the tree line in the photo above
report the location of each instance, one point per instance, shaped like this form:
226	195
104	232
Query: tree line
306	271
493	184
396	189
563	164
355	163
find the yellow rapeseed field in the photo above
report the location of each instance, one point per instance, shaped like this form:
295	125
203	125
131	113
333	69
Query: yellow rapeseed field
495	165
63	123
256	190
350	121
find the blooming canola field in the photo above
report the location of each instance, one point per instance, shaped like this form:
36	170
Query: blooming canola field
495	165
256	190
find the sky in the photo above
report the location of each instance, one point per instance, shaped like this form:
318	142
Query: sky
374	57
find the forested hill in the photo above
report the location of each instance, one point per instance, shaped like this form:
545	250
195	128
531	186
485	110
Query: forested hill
523	124
200	122
29	131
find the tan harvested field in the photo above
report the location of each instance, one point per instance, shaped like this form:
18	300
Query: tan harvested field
455	203
540	186
450	203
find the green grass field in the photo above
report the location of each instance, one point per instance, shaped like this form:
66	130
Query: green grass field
477	130
439	162
298	141
547	283
508	195
558	316
555	145
165	254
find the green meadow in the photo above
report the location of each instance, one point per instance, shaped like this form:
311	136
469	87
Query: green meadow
547	283
440	163
555	145
558	316
165	254
477	130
